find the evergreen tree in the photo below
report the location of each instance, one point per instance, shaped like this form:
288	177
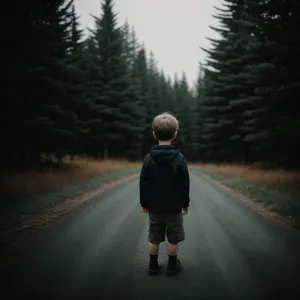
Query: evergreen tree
75	36
183	112
225	60
68	94
130	45
196	144
79	95
118	106
141	78
272	117
155	105
78	85
42	124
245	115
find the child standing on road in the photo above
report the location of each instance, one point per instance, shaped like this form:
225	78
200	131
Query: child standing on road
164	193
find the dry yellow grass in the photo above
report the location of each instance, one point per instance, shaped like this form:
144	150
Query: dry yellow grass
33	181
273	178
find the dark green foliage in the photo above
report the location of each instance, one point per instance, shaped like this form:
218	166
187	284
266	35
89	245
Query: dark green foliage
68	93
37	92
251	81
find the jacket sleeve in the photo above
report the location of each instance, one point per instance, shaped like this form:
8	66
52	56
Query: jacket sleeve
144	184
185	183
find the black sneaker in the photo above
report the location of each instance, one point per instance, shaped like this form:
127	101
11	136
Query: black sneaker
154	268
173	269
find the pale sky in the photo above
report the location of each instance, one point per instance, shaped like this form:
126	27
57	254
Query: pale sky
173	29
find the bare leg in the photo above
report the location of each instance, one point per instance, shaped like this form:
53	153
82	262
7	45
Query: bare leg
154	248
173	249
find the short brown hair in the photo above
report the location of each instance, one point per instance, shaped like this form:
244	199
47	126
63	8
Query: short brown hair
164	126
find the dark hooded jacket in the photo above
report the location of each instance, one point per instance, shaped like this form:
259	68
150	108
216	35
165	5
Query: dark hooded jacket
164	180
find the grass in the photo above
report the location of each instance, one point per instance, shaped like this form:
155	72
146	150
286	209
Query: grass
279	179
22	184
277	188
28	192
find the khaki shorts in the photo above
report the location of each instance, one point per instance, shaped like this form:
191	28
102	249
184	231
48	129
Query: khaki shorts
162	225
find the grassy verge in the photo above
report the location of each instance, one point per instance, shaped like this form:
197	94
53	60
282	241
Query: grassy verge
278	189
29	192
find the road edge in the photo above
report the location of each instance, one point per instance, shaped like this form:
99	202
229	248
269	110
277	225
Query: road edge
262	209
32	226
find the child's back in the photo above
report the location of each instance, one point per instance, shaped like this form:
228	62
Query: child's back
167	191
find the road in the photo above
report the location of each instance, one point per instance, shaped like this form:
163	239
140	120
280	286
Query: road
101	252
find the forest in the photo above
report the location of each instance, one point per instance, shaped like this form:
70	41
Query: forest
95	95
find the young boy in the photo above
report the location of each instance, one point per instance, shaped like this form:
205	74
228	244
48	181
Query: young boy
164	192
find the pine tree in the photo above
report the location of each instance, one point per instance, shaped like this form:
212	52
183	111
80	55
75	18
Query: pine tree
43	123
166	93
251	79
141	78
63	133
287	135
271	122
155	105
79	95
130	45
78	85
75	36
221	85
196	143
90	113
183	106
118	106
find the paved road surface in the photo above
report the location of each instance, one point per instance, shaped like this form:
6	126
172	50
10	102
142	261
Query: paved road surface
101	252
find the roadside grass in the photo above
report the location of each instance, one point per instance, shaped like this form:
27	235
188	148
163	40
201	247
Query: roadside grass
279	189
29	192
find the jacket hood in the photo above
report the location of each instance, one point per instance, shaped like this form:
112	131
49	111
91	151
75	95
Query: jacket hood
164	154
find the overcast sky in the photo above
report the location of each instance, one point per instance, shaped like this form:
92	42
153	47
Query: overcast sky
173	29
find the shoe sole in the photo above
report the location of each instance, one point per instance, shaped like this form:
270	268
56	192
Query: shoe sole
154	272
169	272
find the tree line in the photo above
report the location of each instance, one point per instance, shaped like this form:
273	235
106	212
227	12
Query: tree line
248	103
71	94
